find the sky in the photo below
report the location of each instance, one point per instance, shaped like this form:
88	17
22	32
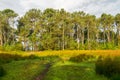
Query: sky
94	7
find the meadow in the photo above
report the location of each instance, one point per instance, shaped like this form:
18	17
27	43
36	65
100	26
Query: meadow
64	65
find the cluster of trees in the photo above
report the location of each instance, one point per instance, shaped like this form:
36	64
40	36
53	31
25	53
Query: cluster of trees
58	30
7	32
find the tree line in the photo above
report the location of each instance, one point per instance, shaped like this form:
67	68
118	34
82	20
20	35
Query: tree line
53	29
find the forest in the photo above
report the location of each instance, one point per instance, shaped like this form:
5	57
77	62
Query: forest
53	29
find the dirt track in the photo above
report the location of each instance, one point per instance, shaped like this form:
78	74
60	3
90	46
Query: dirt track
43	74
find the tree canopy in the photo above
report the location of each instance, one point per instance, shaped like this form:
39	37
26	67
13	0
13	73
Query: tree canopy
53	29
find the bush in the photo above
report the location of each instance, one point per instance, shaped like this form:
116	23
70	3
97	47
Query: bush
108	66
5	58
2	71
81	57
14	47
116	77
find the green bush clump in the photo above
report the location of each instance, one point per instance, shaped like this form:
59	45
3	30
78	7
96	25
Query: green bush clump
5	58
108	66
2	71
116	77
16	47
81	57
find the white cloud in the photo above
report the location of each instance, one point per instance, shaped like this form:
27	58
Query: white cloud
96	7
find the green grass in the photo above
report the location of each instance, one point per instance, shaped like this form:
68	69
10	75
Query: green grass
23	69
73	71
62	68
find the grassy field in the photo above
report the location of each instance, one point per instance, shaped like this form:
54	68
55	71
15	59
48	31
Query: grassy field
23	69
61	69
73	71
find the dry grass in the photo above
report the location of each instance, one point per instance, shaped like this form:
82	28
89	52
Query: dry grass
67	53
77	52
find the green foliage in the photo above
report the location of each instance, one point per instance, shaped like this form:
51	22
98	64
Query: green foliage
47	42
108	66
2	71
81	58
6	58
109	46
53	29
72	45
15	47
116	77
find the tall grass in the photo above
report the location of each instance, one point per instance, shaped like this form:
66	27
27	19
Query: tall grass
108	66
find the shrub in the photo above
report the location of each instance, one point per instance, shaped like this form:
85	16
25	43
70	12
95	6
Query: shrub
81	57
14	47
5	58
116	77
108	66
2	71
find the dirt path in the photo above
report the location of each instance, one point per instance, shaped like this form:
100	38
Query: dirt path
43	74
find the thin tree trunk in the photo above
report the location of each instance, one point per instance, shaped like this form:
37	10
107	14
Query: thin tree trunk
63	39
78	38
104	36
117	37
82	37
108	37
88	37
1	40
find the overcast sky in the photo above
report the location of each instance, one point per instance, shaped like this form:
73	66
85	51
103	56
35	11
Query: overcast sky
96	7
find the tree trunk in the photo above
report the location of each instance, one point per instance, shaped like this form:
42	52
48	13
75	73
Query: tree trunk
88	37
117	37
1	40
63	39
82	37
78	38
104	36
108	36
